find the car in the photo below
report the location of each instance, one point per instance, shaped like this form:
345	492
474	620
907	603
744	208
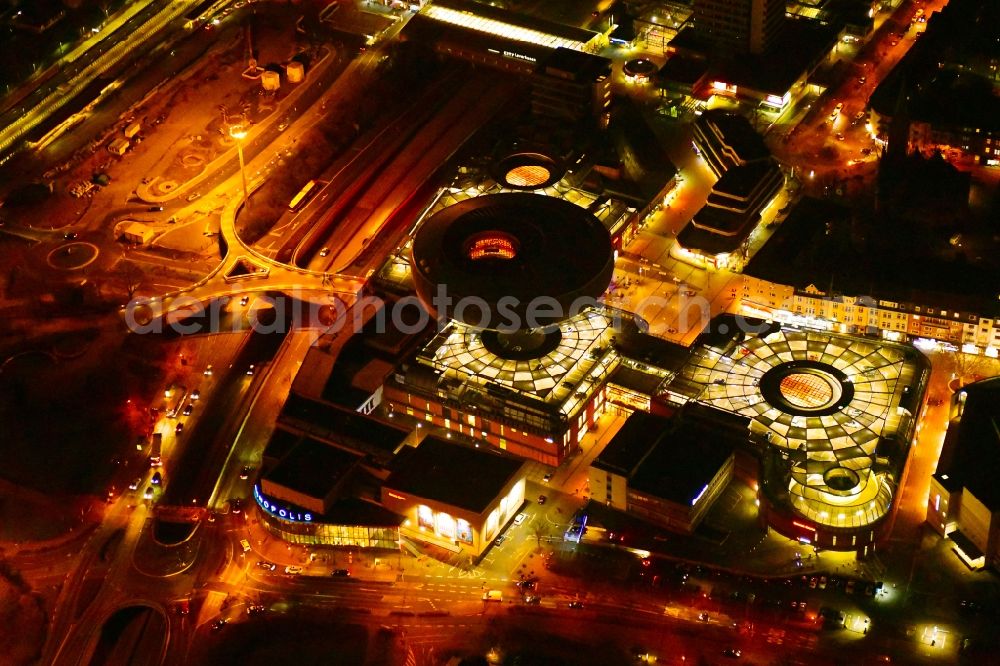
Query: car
182	606
219	624
837	109
342	573
188	408
732	653
324	252
547	478
859	116
266	566
532	599
195	394
813	582
236	505
822	582
519	518
148	493
293	570
840	136
703	617
208	370
70	235
575	604
245	545
157	478
155	209
179	429
254	609
250	369
136	482
542	499
245	471
862	80
499	540
529	584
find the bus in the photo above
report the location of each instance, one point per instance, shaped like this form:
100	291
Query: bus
299	199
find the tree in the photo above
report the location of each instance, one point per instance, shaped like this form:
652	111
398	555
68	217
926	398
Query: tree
539	530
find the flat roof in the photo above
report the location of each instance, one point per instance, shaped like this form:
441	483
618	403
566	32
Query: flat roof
454	474
971	454
736	131
816	245
635	380
578	65
632	443
684	458
313	468
799	47
518	19
346	427
685	69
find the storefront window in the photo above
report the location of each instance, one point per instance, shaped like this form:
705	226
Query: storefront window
445	526
464	531
425	517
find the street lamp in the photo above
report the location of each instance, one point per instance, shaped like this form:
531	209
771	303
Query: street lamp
239	133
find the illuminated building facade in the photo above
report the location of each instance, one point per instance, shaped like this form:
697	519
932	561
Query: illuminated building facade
830	417
454	496
964	503
310	495
520	378
792	280
749	179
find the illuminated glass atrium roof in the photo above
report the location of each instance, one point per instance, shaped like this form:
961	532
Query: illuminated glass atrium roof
566	375
834	398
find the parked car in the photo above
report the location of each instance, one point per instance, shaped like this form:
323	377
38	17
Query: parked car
340	573
542	499
267	566
293	570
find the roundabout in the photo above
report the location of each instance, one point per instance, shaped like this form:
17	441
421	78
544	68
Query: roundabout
72	256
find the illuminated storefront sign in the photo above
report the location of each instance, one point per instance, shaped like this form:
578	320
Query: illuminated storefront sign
281	511
518	56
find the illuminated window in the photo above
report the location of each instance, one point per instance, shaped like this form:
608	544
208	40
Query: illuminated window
491	245
445	525
425	517
464	531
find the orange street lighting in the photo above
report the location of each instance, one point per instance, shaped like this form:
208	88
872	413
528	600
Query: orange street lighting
239	133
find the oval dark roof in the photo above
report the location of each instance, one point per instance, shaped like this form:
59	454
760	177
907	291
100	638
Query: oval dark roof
559	252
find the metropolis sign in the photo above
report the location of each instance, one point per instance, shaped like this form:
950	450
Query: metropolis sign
280	510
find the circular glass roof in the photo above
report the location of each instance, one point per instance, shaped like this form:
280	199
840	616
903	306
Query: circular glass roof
808	390
528	175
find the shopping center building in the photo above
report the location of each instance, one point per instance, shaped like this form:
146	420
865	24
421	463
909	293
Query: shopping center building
454	496
830	417
964	499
